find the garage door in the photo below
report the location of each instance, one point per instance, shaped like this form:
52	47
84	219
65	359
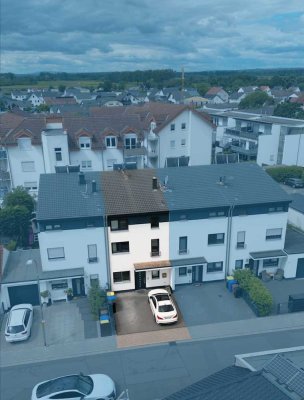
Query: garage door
300	268
23	294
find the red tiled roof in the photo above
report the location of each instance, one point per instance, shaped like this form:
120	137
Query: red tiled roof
214	90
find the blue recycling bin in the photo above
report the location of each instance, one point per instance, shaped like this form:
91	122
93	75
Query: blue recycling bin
231	283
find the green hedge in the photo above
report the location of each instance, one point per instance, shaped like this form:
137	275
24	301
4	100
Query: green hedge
258	294
97	298
280	174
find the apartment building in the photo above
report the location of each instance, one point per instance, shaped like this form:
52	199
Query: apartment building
268	140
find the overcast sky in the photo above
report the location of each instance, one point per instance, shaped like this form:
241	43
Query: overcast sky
117	35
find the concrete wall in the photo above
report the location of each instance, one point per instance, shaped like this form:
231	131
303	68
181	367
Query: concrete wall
294	150
268	147
296	218
290	268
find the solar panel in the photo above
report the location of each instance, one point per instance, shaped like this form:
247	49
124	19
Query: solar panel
281	368
296	384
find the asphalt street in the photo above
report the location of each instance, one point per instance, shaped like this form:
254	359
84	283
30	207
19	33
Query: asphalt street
151	372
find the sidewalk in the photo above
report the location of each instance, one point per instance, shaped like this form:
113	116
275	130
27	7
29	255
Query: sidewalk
87	347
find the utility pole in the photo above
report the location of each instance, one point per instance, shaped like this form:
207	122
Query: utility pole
183	79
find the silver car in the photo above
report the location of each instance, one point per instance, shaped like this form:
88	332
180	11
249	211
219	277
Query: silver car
19	323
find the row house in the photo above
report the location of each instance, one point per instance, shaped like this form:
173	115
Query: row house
139	138
266	139
134	229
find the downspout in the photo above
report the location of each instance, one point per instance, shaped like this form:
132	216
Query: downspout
229	226
106	236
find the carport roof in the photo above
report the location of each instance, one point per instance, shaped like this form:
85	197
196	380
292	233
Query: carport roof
258	255
152	264
188	261
16	270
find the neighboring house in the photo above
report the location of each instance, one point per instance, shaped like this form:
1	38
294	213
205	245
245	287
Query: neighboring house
267	139
247	89
19	95
236	97
195	101
36	99
145	136
217	95
296	211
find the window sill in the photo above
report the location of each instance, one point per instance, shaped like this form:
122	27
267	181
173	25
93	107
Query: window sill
216	244
56	259
121	252
214	272
121	282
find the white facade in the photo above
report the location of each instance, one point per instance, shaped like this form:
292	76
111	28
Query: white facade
296	218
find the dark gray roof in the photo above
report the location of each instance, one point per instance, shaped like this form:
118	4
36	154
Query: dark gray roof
188	261
297	202
294	242
232	383
198	187
60	196
130	192
16	269
258	255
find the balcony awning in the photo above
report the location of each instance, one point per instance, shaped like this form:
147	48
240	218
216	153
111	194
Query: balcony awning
260	255
152	265
188	261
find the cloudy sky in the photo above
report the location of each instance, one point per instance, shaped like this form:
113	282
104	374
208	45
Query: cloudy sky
117	35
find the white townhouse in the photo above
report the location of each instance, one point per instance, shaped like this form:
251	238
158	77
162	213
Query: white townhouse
268	140
132	137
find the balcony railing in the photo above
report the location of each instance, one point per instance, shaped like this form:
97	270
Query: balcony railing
152	153
243	150
152	137
135	150
155	253
243	133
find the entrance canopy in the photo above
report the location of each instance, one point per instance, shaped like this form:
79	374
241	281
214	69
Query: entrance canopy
152	265
188	261
260	255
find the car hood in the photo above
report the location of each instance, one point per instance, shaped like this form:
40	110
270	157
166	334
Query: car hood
103	386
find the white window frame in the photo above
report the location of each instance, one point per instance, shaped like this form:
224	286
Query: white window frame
172	144
86	164
56	253
58	152
31	186
183	126
84	142
109	142
274	234
183	142
92	253
28	166
24	143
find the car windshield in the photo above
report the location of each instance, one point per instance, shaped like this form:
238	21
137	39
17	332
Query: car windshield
15	329
165	308
81	383
162	297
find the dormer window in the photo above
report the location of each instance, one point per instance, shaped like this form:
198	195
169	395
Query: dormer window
111	141
24	143
130	141
84	142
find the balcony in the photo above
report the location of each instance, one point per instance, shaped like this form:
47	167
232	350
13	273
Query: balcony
242	133
153	153
135	150
152	137
243	150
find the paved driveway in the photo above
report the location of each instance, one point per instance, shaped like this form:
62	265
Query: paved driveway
210	303
281	290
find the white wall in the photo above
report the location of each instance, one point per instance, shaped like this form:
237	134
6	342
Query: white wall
296	218
293	150
290	268
139	238
268	147
95	156
112	154
49	143
200	141
75	244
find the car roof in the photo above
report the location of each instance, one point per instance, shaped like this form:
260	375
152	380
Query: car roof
57	385
17	316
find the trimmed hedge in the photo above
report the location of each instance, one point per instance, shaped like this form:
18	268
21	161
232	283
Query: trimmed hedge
280	174
258	294
97	298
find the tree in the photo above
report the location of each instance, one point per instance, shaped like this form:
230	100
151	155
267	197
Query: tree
61	88
19	197
203	88
256	99
107	86
43	108
289	110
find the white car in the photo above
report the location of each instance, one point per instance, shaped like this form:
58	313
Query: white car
162	306
76	387
19	323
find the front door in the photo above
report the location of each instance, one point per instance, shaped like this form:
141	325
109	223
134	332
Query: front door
78	287
197	274
300	268
140	280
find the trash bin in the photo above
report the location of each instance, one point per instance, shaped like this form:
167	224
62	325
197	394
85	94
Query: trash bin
296	302
230	283
114	307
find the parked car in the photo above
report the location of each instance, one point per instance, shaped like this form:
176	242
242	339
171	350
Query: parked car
19	323
162	306
294	182
76	387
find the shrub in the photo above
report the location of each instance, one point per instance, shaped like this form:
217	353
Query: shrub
280	174
96	300
258	294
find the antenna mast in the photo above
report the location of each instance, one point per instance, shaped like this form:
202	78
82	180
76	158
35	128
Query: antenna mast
183	78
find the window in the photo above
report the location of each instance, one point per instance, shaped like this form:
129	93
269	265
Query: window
86	164
111	141
121	276
94	280
154	222
92	253
172	127
110	163
238	264
214	214
271	262
84	142
183	142
272	234
28	166
130	143
120	247
172	144
58	154
55	253
60	284
216	238
30	186
275	209
240	243
183	125
155	274
215	266
66	395
182	271
119	224
183	245
52	227
155	247
24	143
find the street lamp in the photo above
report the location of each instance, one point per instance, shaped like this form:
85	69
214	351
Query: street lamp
29	263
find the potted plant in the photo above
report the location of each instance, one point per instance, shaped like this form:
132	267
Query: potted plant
45	294
69	293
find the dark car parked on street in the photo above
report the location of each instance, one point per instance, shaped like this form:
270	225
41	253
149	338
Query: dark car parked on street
294	182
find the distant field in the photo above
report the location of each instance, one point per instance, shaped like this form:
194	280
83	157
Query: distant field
54	84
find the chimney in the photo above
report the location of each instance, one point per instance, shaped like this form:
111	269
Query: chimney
154	183
94	186
81	178
222	180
